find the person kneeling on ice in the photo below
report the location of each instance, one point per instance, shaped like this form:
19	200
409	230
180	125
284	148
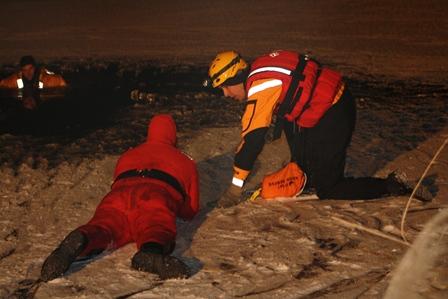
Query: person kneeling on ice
313	106
153	183
30	80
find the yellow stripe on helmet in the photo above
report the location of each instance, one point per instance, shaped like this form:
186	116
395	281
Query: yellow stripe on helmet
225	66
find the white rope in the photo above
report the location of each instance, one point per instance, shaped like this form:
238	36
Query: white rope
403	218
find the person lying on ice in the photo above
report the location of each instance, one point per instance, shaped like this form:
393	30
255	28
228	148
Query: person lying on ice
312	105
153	183
30	80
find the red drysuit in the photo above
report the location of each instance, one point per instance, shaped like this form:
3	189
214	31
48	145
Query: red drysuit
143	209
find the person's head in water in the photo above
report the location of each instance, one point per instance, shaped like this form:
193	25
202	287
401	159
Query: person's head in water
28	71
27	67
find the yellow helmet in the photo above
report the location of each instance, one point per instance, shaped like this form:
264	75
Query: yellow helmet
226	65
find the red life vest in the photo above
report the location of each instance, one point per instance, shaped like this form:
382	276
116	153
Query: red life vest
316	89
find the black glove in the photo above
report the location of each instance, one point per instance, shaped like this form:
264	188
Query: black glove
231	197
58	262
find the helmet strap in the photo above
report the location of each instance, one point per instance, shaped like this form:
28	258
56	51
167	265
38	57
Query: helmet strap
240	77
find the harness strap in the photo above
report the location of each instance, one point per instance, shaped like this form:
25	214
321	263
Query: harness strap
290	100
154	174
40	81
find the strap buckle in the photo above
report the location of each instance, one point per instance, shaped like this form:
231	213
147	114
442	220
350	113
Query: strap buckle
144	172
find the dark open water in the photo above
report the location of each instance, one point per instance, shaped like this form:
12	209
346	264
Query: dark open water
97	116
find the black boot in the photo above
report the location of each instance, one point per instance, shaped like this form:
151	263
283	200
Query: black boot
151	259
398	184
62	257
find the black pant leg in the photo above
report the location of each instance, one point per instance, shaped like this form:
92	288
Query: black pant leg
357	188
325	145
329	141
321	153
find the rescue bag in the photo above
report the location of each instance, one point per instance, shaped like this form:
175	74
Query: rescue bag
286	182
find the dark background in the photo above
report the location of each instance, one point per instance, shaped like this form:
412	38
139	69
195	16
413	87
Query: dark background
382	37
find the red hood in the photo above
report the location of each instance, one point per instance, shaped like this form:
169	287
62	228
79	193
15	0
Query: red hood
162	129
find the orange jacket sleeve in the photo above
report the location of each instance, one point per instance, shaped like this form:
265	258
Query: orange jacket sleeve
261	103
9	82
51	80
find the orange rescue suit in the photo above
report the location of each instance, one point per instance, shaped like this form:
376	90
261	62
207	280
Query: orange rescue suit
47	79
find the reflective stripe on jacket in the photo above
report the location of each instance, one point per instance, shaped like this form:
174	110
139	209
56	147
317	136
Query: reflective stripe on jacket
316	90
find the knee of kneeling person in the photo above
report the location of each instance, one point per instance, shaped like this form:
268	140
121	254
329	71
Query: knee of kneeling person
324	191
327	186
323	194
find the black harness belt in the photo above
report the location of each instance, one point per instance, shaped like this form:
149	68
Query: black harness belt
154	174
290	100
